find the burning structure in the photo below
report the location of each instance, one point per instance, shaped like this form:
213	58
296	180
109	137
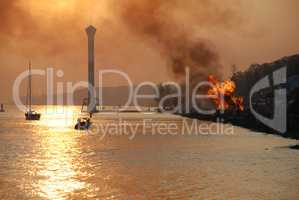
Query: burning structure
224	95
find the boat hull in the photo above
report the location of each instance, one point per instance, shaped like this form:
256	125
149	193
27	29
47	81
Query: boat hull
32	117
83	124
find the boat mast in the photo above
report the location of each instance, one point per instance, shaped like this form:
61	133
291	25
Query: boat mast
30	92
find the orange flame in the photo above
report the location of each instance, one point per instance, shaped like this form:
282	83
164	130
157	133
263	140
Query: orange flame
224	94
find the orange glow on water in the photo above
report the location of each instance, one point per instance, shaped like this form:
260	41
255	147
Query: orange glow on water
62	163
59	118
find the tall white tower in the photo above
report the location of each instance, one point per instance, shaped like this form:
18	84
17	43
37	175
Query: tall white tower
91	31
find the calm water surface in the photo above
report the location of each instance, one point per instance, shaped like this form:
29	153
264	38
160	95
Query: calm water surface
49	160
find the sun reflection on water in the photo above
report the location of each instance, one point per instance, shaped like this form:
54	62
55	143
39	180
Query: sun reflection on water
60	171
61	167
59	118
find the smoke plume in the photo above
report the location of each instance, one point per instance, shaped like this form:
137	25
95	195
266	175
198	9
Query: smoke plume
51	33
172	26
167	25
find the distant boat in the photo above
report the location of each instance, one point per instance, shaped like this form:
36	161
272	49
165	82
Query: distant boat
2	108
31	114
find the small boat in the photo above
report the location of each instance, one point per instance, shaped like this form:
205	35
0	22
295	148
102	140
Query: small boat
30	114
83	124
2	108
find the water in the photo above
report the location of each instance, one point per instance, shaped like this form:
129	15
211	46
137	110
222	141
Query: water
47	159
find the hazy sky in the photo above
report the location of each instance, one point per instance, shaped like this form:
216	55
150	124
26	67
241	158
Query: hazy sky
51	33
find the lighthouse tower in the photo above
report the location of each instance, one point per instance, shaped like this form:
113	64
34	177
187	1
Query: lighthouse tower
91	31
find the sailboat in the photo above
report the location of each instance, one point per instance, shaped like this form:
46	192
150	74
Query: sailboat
2	108
31	114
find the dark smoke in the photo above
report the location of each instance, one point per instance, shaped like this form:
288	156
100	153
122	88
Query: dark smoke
166	24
